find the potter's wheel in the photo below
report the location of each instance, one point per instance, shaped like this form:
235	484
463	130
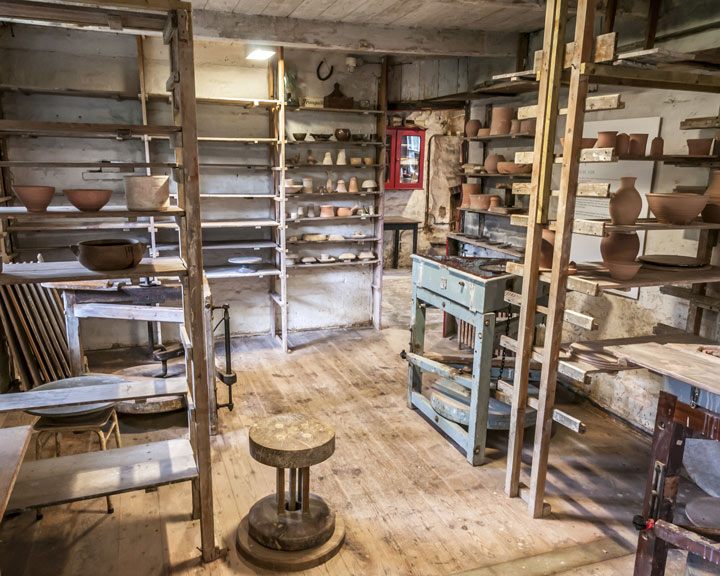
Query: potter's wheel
244	261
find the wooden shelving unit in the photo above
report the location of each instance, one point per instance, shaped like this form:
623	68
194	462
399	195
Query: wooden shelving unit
71	478
574	67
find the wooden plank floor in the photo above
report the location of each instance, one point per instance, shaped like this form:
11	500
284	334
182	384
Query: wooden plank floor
411	503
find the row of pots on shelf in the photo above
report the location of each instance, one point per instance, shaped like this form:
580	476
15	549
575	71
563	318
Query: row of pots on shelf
293	259
502	122
635	145
342	159
341	135
141	193
474	199
330	211
307	186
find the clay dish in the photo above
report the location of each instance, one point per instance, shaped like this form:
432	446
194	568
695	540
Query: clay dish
677	207
314	237
309	260
299	136
347	257
699	146
110	254
366	255
88	200
623	270
321	137
512	168
327	211
143	192
35	198
294	189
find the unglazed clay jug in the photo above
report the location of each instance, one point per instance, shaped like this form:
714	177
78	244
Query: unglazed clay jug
619	247
711	212
491	163
625	203
501	120
546	249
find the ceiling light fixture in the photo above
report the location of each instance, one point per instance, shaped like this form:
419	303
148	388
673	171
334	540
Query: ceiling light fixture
255	53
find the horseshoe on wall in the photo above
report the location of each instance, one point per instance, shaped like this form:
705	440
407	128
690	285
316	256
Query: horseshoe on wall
319	75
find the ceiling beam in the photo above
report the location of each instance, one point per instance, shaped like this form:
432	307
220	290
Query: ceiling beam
321	35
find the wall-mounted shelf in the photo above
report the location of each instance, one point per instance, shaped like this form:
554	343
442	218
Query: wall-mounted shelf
109	166
334	143
21	213
331	220
333	264
83	130
344	241
219	272
332	167
333	110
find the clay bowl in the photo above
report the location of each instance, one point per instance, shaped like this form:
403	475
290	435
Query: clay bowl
623	270
147	192
676	207
356	161
321	137
368	160
699	146
88	200
109	254
35	198
342	134
512	168
480	201
299	136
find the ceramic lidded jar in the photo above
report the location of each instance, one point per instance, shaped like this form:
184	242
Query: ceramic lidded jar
619	247
622	144
491	163
472	127
625	203
711	212
501	120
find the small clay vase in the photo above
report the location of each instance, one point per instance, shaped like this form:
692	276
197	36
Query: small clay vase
501	121
622	145
625	203
514	126
657	147
619	247
638	144
472	127
711	212
607	139
546	249
491	163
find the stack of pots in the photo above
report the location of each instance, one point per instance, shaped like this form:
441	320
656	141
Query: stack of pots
618	249
711	212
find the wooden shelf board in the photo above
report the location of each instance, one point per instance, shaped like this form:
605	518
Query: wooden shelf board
523	177
85	226
332	110
20	213
130	390
334	264
249	196
700	123
13	445
38	272
575	370
333	219
489	213
518	136
258	167
593	278
241	223
84	93
344	241
338	195
333	143
242	245
510	251
605	227
108	167
238	140
218	272
53	481
266	103
82	129
333	167
649	78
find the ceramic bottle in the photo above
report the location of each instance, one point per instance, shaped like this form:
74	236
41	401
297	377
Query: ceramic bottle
625	203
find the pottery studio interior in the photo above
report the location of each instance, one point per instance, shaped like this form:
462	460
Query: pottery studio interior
341	288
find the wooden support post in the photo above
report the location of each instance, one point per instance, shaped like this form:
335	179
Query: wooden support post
381	127
480	390
543	157
72	329
577	93
417	344
652	21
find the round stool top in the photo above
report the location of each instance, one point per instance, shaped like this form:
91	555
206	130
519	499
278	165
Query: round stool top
291	441
704	512
75	382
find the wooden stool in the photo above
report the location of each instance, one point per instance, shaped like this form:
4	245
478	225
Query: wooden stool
294	529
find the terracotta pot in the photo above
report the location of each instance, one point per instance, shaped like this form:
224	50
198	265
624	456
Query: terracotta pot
345	211
356	161
480	201
699	146
625	203
676	207
657	147
368	160
622	144
109	254
587	142
607	139
88	200
35	198
147	192
342	134
483	132
353	185
623	270
495	200
528	126
327	211
638	144
514	126
472	127
513	168
501	120
467	191
618	247
546	249
491	163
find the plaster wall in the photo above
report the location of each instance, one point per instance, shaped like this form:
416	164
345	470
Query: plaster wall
50	57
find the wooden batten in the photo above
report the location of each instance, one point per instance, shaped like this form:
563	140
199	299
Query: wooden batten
592	104
604	49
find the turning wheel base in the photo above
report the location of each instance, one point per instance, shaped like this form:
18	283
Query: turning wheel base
288	561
